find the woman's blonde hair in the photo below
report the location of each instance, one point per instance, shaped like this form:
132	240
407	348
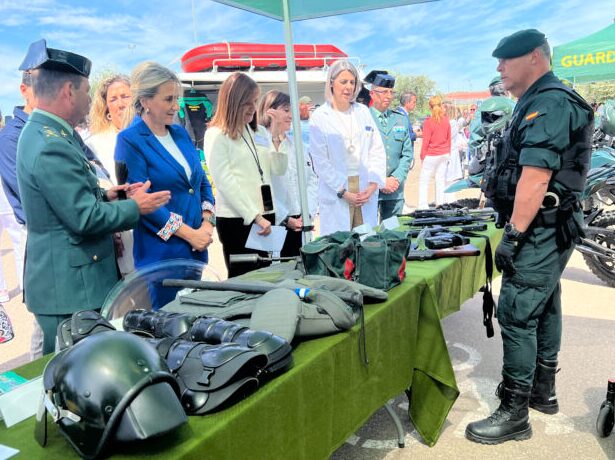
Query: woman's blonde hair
145	81
99	112
234	93
273	99
450	108
435	105
334	70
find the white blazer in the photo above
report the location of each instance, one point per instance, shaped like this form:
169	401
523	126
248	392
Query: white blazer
328	152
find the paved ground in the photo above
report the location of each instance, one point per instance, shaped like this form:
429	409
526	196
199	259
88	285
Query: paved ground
587	361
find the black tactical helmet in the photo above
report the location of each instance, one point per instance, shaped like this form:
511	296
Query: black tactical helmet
111	386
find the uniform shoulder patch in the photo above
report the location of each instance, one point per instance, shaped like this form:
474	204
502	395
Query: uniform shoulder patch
531	116
50	132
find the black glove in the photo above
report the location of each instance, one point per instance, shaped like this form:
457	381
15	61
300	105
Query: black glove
505	255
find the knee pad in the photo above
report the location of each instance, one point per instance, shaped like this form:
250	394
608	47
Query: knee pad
80	325
157	324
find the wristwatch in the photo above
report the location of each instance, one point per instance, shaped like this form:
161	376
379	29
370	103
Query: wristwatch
211	219
340	194
511	232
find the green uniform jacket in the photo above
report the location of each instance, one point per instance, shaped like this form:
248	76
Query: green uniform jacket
70	263
398	147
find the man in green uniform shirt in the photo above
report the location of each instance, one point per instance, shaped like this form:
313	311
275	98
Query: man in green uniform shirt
70	259
535	186
394	128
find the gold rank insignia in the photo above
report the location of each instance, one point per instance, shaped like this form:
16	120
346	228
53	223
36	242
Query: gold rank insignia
531	116
49	132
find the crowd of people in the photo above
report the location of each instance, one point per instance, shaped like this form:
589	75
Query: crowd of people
357	161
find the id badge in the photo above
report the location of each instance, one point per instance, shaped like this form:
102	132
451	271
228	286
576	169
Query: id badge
267	198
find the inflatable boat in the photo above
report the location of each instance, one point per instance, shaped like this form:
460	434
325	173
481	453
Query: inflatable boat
237	56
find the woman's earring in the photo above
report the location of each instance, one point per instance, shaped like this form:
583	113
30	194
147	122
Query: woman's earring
108	116
146	110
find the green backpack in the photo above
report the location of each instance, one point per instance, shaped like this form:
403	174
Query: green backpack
381	259
331	255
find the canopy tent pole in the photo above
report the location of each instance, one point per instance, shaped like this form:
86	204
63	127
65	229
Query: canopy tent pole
297	138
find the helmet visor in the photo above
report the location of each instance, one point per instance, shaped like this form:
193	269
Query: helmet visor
155	411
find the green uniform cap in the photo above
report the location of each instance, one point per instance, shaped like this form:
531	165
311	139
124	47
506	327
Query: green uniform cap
39	56
519	44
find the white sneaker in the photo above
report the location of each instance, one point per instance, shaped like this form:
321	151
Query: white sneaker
4	296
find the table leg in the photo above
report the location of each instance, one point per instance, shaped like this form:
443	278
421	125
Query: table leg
400	430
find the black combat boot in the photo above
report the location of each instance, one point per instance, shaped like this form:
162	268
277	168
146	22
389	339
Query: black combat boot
543	397
509	422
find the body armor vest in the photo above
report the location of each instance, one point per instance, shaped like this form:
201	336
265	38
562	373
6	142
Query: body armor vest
502	171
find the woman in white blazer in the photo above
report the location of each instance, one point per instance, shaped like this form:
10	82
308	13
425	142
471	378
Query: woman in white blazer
242	157
347	153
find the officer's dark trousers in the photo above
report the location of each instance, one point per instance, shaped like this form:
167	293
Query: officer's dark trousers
49	325
390	208
529	307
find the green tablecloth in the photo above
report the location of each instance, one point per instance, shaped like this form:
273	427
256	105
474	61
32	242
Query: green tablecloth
309	411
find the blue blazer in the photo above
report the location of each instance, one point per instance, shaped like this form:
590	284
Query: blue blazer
146	158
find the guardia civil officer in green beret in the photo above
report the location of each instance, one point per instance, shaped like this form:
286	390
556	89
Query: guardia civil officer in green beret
395	130
535	185
70	259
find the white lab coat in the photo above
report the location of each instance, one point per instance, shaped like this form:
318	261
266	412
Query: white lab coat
328	153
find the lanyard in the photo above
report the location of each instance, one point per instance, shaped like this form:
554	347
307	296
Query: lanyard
254	153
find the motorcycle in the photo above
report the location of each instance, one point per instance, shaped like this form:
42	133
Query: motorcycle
598	245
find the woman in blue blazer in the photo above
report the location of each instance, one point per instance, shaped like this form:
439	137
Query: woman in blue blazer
153	148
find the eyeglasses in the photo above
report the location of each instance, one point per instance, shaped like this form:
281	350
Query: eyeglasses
389	92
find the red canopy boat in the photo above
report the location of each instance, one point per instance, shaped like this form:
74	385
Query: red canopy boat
258	55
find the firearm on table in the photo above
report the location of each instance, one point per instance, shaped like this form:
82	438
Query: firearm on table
476	227
456	251
449	221
354	299
423	213
257	258
445	240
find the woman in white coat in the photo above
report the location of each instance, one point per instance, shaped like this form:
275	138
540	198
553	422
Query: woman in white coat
347	153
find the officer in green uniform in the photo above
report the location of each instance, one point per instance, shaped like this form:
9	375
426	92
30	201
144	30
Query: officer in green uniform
394	128
70	259
535	182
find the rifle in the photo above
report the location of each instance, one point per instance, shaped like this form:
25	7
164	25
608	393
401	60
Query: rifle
423	213
430	254
447	221
355	299
256	258
477	227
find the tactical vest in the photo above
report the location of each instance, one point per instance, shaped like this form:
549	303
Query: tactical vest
502	171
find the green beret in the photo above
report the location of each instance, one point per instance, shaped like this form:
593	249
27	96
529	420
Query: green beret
519	44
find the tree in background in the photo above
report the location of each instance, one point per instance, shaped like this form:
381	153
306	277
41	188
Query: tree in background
598	91
99	76
422	85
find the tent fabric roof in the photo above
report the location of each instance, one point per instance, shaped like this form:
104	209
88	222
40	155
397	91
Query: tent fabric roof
309	9
587	59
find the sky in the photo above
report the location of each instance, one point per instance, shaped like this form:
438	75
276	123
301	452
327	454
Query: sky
449	41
